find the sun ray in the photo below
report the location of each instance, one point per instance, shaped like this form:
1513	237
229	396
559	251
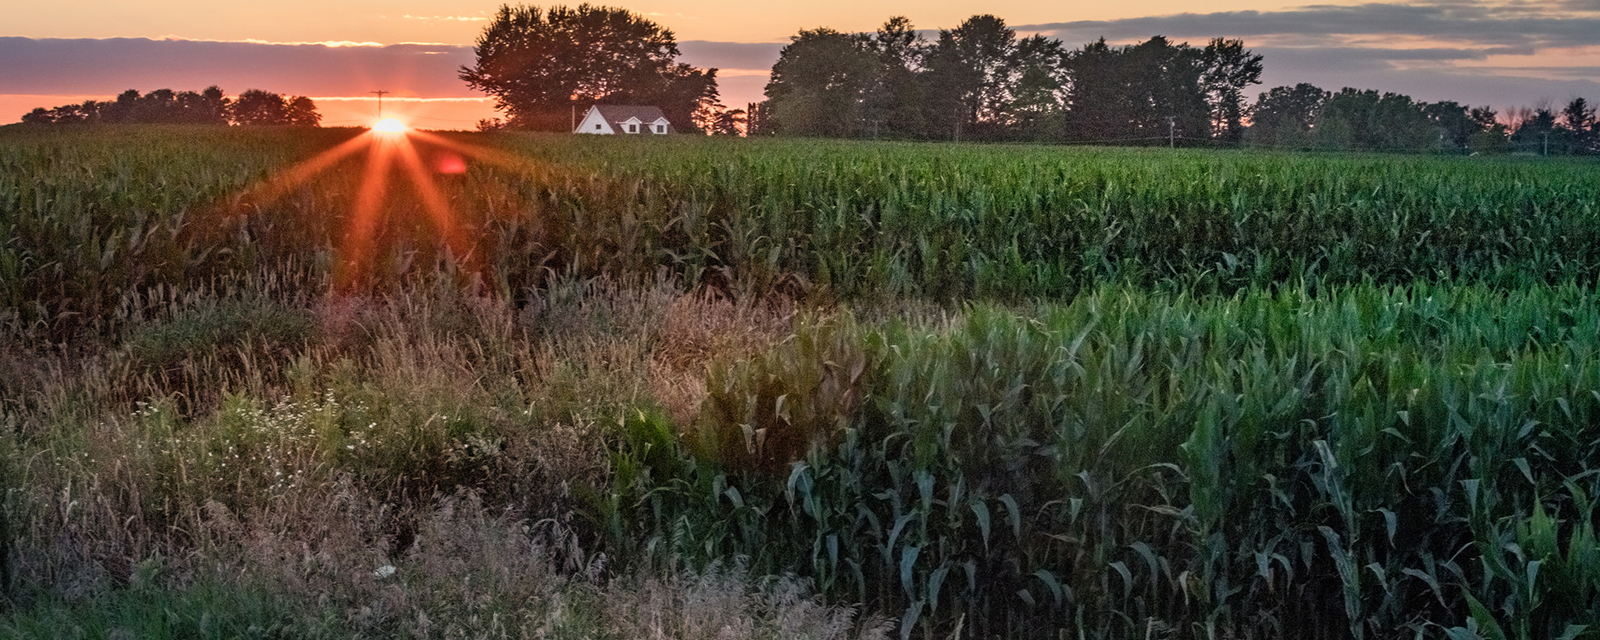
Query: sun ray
287	179
355	253
492	156
434	202
360	243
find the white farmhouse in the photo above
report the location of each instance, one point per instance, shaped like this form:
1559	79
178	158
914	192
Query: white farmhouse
605	119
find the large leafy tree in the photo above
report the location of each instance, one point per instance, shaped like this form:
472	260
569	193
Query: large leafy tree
1284	116
1229	68
539	64
893	104
970	70
1368	120
1146	91
819	81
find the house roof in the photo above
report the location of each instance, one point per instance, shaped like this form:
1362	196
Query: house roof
618	114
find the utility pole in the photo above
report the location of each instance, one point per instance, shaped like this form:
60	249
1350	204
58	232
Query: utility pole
1172	132
380	102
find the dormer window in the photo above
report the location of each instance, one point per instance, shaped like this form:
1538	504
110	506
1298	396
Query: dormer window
661	128
633	128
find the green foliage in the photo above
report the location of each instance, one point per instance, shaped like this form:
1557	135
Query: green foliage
90	217
1365	463
1237	395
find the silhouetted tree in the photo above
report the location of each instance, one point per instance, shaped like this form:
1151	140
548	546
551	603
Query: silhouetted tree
1368	120
162	106
1452	123
1037	90
539	64
1490	135
1537	133
730	122
1229	68
257	107
1098	96
39	115
970	69
758	119
1578	118
1284	116
893	103
207	107
1147	91
302	112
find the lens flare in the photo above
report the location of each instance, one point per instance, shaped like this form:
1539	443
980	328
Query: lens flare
414	157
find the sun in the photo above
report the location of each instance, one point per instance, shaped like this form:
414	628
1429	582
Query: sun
389	125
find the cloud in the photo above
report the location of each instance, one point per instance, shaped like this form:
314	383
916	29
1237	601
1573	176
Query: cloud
1480	23
1364	45
446	18
109	66
1352	59
106	67
1465	86
730	55
1430	49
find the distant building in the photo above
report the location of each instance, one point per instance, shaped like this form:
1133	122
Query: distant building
606	119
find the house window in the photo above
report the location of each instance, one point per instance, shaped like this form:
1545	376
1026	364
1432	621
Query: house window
661	128
597	127
633	128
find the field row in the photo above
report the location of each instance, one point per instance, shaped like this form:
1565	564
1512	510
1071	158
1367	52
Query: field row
90	215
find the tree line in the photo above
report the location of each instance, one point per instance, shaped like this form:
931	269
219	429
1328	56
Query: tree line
981	81
1307	117
165	106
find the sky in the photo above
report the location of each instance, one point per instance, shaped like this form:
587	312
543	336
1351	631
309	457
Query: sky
1499	53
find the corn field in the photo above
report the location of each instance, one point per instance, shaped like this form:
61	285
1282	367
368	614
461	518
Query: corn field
1379	462
91	214
1028	391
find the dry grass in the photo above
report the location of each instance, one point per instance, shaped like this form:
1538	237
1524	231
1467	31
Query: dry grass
264	444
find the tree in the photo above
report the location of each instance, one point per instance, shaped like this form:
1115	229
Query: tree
1284	116
1489	133
162	106
818	83
969	71
729	122
539	64
1097	94
207	107
1453	123
1149	91
893	100
1037	90
1536	132
1229	68
1578	118
686	95
257	107
302	112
